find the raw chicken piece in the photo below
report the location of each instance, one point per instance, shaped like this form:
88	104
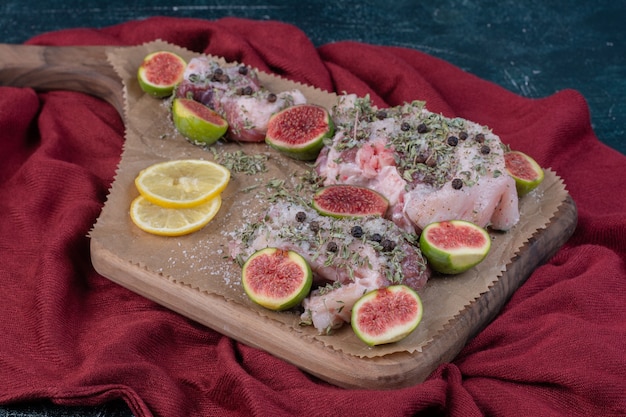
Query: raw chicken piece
248	115
430	167
345	263
237	94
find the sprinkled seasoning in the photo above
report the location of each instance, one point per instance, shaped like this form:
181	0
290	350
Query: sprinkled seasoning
457	183
422	154
279	192
428	148
333	242
213	72
240	162
329	287
431	161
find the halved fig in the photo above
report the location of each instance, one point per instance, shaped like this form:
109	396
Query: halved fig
526	172
344	200
197	122
276	279
454	246
160	72
386	315
299	131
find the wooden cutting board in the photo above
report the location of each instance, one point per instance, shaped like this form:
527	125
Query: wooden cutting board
89	70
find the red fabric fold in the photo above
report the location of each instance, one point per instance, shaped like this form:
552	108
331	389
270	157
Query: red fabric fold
69	335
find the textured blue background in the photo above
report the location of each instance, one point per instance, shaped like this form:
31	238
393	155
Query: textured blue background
530	47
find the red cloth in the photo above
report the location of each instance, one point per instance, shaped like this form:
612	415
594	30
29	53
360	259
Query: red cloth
70	335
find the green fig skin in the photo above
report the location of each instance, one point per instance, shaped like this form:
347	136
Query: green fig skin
196	122
276	279
160	72
299	131
376	318
455	260
526	172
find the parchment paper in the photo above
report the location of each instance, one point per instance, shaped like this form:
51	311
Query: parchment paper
200	260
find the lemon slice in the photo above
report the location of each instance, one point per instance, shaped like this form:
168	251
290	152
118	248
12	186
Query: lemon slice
169	221
182	183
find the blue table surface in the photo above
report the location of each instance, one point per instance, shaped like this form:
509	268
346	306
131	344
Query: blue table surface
533	48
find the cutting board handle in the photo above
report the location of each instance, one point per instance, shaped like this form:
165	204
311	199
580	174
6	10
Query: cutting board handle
77	68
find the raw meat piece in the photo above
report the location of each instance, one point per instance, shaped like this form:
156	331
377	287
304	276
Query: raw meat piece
237	94
345	264
430	167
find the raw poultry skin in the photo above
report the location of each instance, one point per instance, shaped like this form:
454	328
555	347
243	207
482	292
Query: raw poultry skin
236	93
431	168
357	262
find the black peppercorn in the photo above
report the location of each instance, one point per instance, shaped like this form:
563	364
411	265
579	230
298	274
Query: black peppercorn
271	97
243	70
220	76
485	149
405	127
480	138
381	114
247	90
300	216
457	183
463	135
332	247
422	128
388	245
376	237
314	226
356	231
453	141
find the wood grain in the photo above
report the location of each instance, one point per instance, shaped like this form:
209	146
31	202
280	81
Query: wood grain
78	68
387	372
